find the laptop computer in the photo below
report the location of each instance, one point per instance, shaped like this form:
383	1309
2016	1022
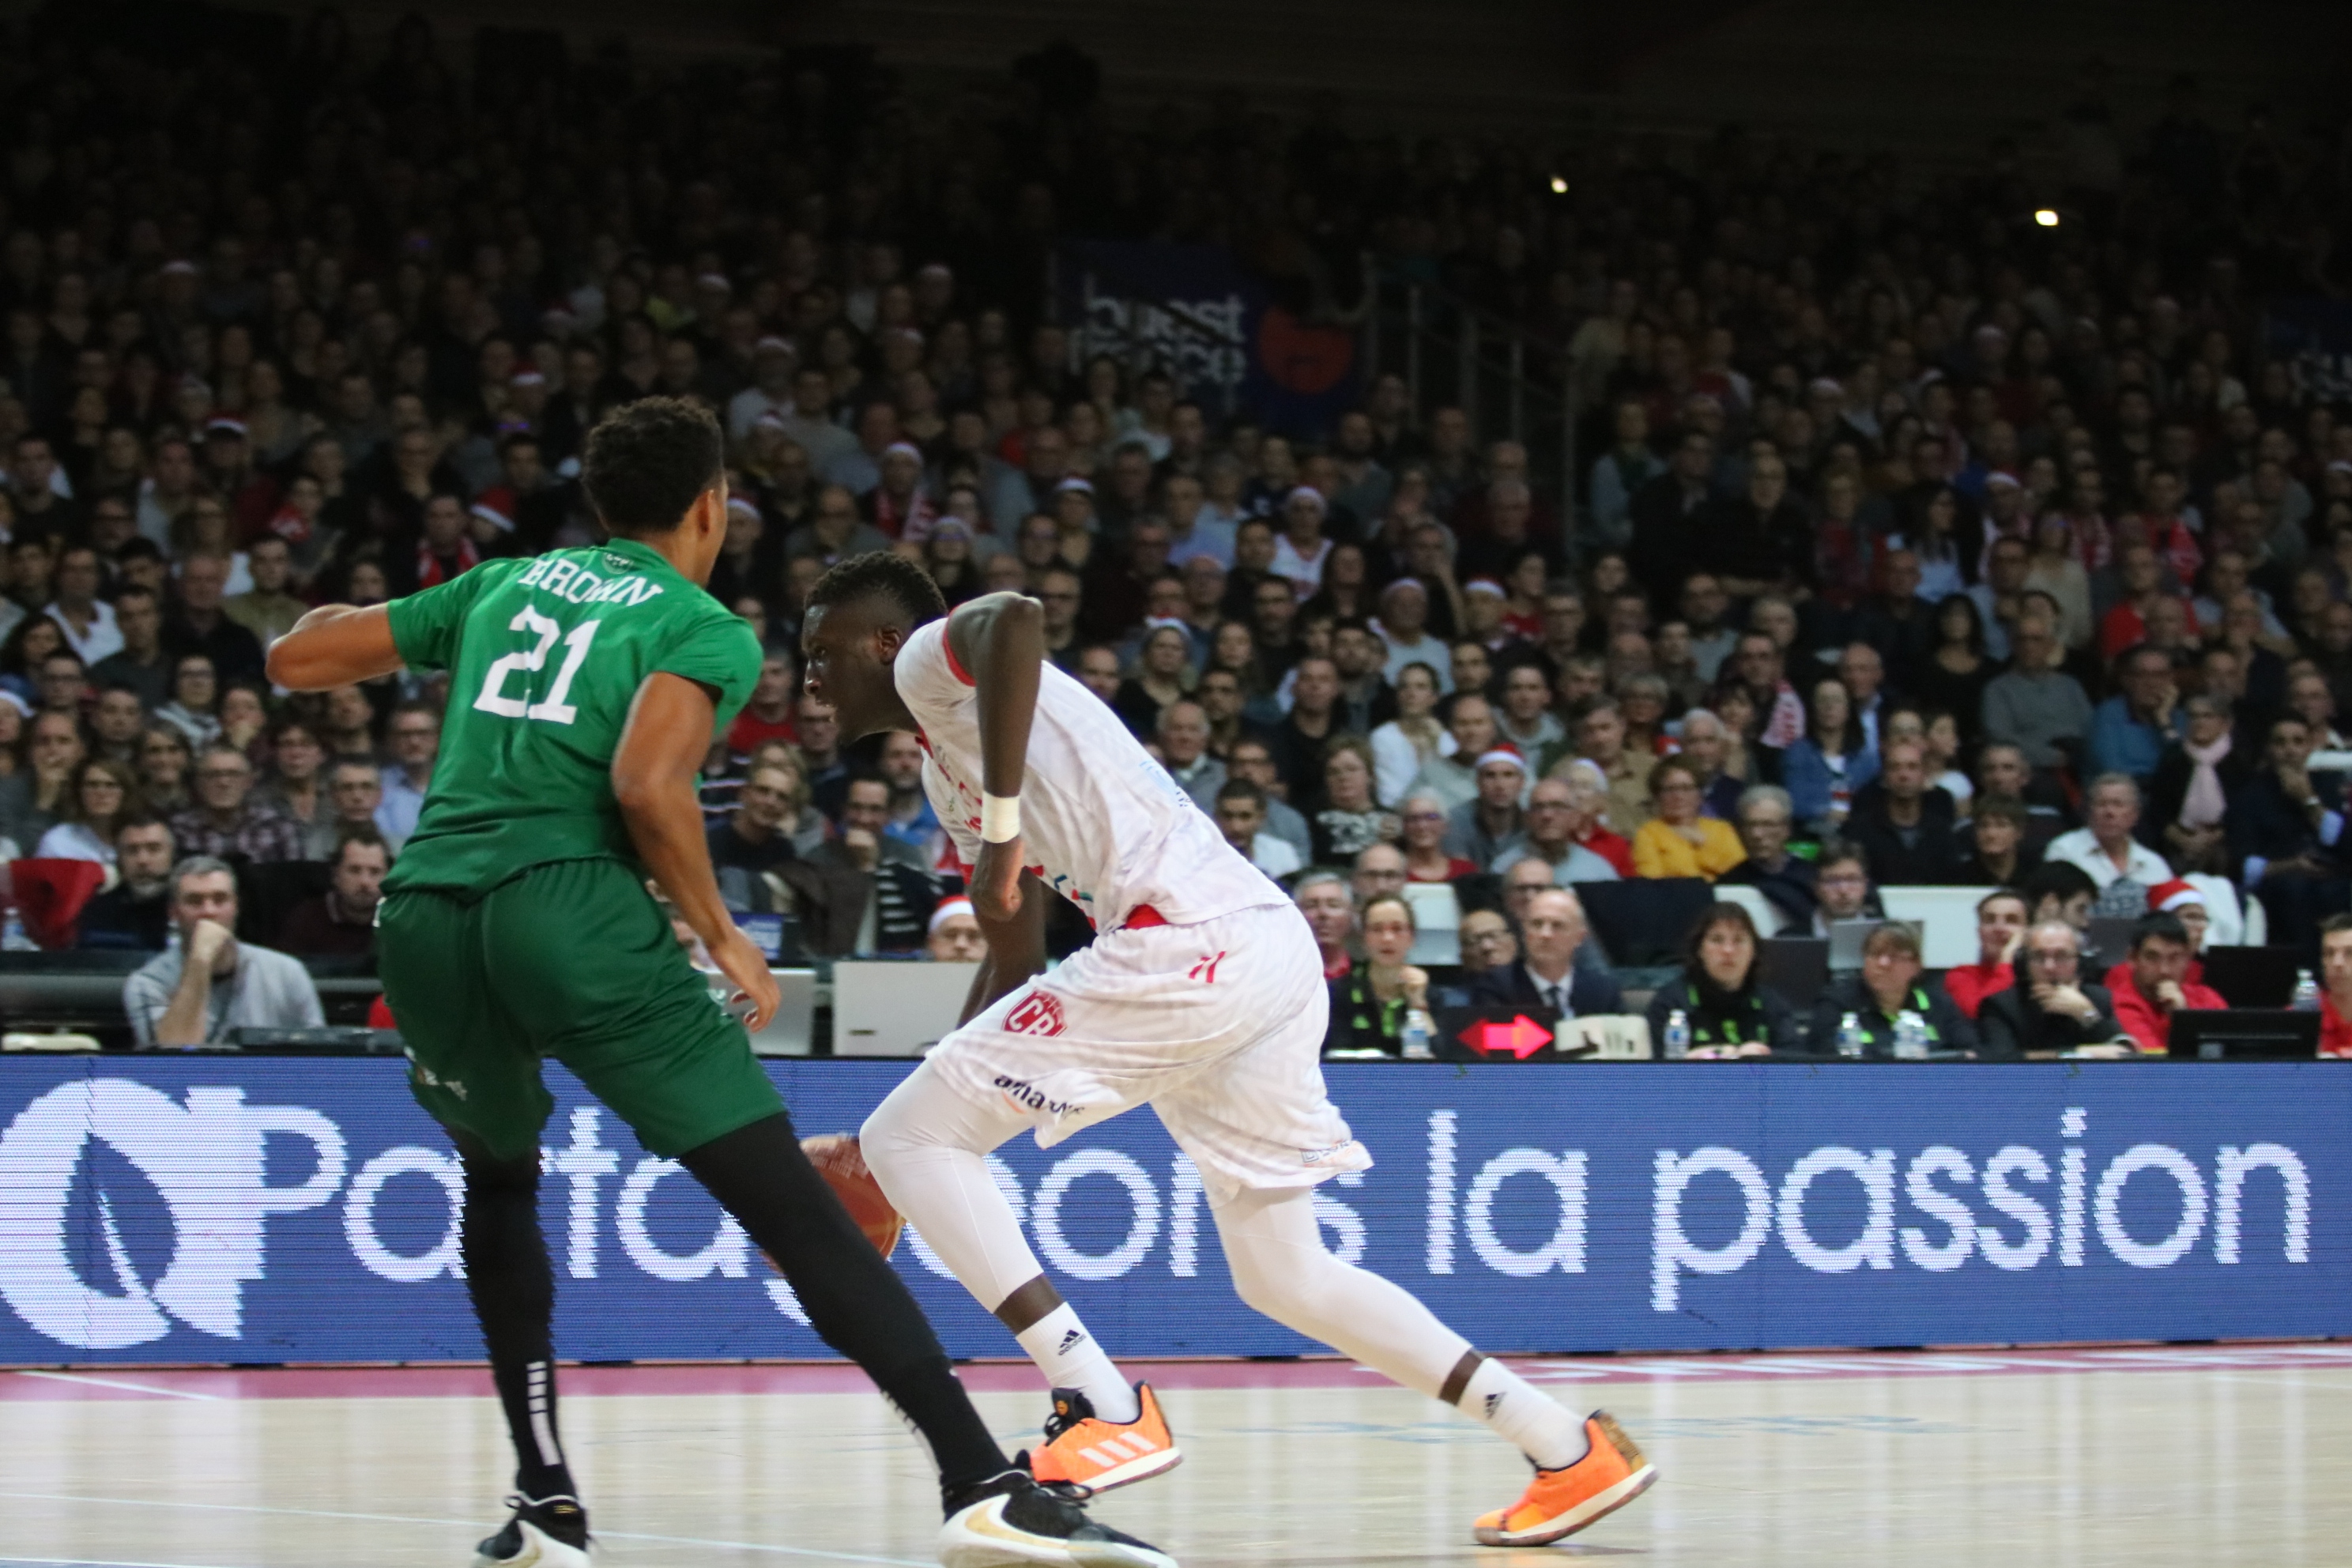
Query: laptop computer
2241	1034
885	1009
793	1031
2252	976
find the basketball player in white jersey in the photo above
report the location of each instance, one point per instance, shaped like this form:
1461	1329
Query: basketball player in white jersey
1202	996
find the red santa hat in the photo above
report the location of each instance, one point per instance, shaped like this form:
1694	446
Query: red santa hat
2168	897
949	908
1505	753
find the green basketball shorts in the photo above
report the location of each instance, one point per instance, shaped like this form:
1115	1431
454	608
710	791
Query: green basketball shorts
572	960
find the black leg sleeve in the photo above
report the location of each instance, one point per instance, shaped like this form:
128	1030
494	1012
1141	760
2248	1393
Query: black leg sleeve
513	1287
855	1299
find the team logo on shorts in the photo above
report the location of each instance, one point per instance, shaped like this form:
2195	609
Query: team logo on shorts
1039	1013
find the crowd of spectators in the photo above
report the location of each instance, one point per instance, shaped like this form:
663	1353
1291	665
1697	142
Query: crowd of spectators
1915	542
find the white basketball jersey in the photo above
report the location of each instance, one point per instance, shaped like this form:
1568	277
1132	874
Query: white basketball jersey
1101	823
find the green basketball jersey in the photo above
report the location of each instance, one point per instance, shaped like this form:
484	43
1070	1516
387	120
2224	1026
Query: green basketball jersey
545	656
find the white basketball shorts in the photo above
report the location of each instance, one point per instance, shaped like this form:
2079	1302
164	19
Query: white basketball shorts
1218	1026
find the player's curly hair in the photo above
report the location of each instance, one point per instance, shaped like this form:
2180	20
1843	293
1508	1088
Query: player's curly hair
882	573
645	461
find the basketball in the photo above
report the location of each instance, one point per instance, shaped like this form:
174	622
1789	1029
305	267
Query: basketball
836	1158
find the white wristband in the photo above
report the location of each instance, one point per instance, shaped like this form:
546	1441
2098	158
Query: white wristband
1000	818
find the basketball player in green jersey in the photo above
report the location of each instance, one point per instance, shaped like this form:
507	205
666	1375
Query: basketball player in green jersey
584	687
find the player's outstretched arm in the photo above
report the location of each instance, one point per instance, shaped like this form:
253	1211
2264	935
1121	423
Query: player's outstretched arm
654	771
334	645
1000	639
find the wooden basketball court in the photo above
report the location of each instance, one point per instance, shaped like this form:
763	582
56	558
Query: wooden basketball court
2138	1458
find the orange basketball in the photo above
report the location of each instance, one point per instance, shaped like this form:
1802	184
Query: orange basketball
839	1161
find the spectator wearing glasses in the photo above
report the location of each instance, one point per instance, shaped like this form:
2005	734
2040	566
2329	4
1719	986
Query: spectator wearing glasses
1721	997
1330	911
195	994
229	819
103	799
1555	814
1425	858
1678	841
1888	986
1841	884
1765	818
1488	942
2050	1007
414	738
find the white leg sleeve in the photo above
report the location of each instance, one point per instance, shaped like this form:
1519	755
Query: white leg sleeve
1281	1268
925	1145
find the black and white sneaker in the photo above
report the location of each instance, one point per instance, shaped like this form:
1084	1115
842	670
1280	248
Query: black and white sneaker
1010	1520
545	1532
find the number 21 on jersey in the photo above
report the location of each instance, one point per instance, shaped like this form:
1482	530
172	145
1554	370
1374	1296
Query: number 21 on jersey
553	708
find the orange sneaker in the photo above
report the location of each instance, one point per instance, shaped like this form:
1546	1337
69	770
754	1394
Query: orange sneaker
1086	1454
1558	1503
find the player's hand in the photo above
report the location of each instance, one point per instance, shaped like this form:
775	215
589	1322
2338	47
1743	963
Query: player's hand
205	941
996	881
746	967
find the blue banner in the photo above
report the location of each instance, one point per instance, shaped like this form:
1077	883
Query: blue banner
1193	311
227	1209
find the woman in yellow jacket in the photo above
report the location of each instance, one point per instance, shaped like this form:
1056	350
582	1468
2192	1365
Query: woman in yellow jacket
1678	841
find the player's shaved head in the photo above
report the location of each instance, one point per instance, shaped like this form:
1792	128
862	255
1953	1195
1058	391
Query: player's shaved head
647	461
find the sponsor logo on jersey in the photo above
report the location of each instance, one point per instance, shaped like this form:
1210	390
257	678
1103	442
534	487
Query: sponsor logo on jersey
1024	1093
1039	1013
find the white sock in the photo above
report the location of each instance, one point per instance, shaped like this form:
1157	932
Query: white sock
924	1144
1069	1357
1522	1414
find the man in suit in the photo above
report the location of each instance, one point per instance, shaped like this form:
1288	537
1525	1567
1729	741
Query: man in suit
2051	1007
1546	984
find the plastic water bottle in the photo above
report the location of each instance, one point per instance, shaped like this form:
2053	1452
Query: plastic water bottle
2306	993
1677	1035
13	938
1849	1038
1418	1028
1910	1037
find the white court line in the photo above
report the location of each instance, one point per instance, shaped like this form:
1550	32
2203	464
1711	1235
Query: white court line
405	1519
115	1382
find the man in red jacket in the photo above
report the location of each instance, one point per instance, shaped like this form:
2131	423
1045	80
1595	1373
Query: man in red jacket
2001	926
2157	986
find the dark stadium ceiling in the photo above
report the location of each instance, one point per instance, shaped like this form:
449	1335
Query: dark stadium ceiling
1913	76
